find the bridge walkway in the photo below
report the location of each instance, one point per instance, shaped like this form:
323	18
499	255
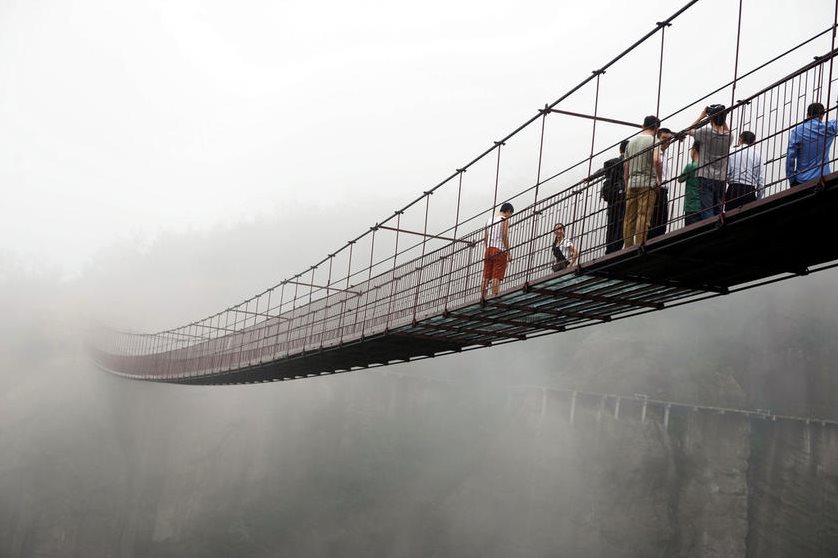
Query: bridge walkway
409	287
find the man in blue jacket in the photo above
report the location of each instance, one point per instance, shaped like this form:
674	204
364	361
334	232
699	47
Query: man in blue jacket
808	145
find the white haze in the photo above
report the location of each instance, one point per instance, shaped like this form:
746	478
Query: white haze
122	122
161	160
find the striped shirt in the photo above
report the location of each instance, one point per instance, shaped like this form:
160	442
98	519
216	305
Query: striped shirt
745	167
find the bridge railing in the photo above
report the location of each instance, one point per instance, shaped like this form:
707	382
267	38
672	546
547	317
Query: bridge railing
364	289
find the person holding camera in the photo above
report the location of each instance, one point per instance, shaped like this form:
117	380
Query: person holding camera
564	251
808	145
712	159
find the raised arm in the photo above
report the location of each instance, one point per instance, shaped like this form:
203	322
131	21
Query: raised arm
698	120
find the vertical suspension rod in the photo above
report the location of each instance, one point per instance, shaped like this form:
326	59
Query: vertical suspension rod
829	91
593	127
663	25
422	257
348	275
736	60
393	279
456	228
535	214
498	145
263	335
733	86
328	294
279	313
581	237
369	283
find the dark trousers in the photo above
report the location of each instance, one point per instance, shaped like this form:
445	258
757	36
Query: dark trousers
738	195
614	227
660	215
690	218
710	193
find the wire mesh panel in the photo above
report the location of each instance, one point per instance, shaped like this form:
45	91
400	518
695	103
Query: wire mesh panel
424	263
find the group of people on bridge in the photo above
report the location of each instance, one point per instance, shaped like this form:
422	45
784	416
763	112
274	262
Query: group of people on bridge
636	184
717	178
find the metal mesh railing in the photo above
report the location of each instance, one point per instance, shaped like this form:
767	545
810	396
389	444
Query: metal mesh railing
412	265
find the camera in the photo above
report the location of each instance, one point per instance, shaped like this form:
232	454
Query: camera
714	109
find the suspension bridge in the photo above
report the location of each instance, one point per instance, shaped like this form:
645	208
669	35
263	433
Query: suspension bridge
409	287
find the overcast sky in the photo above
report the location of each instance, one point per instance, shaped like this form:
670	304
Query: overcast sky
124	121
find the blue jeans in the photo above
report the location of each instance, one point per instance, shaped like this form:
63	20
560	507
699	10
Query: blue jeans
710	193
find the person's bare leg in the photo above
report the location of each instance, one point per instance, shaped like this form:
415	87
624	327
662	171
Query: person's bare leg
484	288
495	287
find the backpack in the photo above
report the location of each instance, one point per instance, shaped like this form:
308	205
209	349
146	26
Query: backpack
612	186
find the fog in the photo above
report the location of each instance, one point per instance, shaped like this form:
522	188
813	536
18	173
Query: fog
164	160
435	458
121	123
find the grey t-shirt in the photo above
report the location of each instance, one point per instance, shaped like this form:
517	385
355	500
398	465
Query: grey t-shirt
712	155
639	158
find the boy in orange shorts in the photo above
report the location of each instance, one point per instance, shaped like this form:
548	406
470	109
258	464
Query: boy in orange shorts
497	256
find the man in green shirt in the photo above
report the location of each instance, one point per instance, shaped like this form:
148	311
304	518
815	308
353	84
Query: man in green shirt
642	171
692	203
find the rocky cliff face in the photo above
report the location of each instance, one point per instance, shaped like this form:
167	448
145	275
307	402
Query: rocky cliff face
390	464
